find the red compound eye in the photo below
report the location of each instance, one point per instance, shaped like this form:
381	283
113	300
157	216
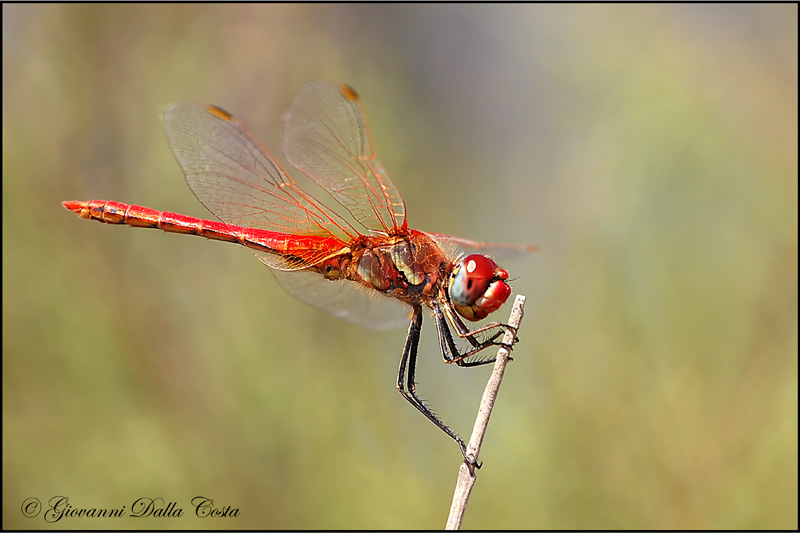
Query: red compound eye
478	287
471	278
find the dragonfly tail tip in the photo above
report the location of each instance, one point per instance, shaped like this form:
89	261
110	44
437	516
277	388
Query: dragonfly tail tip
74	206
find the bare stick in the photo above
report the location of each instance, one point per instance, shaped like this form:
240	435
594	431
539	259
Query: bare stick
466	473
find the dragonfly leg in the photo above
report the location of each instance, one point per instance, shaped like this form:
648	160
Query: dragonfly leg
465	333
405	380
451	352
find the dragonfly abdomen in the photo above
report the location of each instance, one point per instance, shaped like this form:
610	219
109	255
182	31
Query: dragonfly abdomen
137	216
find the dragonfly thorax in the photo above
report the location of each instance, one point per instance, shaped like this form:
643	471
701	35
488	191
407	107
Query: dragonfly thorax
408	267
477	287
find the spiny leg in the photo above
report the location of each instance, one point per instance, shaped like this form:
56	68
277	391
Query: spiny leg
406	384
451	352
465	333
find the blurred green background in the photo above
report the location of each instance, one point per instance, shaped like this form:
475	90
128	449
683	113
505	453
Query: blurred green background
650	151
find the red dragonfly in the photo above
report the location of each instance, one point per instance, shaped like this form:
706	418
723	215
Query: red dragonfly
350	262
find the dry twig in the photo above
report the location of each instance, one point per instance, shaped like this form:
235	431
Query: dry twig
466	473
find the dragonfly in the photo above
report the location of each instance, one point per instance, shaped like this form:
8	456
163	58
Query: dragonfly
358	260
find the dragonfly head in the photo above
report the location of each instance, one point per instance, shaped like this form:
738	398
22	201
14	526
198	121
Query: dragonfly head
478	287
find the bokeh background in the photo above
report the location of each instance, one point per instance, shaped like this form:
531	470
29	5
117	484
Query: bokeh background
650	151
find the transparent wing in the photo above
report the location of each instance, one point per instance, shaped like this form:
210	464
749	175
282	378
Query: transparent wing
453	246
327	138
233	176
345	299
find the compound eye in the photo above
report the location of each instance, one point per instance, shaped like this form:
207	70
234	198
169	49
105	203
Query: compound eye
471	278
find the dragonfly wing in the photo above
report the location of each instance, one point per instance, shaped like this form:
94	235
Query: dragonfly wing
345	299
233	176
454	246
326	137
